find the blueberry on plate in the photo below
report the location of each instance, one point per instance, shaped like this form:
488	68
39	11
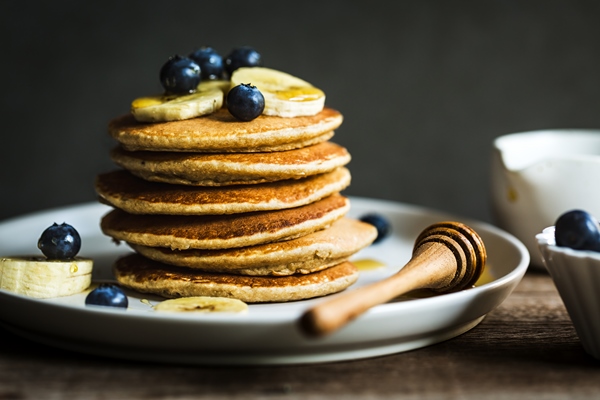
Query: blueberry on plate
383	225
180	75
577	229
107	294
244	56
210	62
245	102
60	242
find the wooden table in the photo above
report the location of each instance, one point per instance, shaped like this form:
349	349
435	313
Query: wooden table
525	349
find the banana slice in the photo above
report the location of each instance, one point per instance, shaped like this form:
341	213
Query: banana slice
203	304
40	278
222	84
285	95
207	99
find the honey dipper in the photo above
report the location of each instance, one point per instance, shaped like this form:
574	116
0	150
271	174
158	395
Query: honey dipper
447	257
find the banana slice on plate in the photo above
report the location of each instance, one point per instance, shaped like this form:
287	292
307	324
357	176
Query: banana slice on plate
285	95
207	99
42	278
202	304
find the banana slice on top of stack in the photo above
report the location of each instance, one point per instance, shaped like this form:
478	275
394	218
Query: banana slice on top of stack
207	99
285	96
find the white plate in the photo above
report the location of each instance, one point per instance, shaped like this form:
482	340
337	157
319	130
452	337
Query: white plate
268	333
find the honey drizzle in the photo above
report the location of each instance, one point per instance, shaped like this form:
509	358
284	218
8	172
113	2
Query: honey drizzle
367	264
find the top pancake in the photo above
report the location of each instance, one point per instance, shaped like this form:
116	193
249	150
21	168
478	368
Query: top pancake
221	132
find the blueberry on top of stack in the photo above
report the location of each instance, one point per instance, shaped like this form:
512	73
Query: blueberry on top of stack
229	186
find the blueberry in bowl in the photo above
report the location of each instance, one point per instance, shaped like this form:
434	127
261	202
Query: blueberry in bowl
577	229
570	252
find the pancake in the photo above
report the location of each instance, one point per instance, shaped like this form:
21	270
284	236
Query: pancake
122	190
221	132
223	231
143	275
207	169
306	254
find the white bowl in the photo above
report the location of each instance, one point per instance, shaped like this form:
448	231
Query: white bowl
537	176
576	274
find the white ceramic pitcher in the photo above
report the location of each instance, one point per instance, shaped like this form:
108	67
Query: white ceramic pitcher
536	176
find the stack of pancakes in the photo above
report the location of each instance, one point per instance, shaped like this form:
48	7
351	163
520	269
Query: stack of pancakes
214	206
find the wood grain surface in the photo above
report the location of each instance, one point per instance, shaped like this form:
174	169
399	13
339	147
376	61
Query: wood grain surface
525	349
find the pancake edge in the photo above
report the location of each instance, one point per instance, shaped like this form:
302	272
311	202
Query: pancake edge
309	286
310	253
204	207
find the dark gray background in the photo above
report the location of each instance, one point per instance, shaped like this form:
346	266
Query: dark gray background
424	86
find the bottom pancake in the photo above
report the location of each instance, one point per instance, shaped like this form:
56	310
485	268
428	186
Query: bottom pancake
143	275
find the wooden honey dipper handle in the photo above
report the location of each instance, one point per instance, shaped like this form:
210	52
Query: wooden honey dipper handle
448	256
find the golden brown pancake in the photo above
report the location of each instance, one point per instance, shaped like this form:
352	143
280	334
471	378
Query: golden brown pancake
137	196
303	255
208	169
147	276
223	231
221	132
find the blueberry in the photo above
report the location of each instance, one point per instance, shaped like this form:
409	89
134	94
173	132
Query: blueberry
244	56
577	229
107	294
245	102
383	225
60	242
180	75
210	62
